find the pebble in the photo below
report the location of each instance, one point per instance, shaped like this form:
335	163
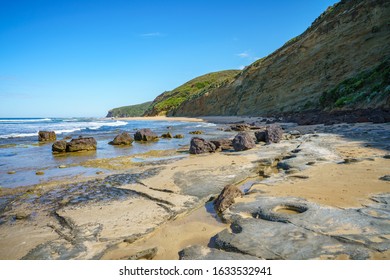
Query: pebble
62	166
385	178
11	172
99	172
39	173
21	216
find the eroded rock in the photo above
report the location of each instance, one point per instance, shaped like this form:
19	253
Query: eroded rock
145	134
243	141
226	197
122	139
200	146
59	146
81	144
44	136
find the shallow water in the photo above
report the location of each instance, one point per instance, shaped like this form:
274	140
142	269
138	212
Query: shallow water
20	151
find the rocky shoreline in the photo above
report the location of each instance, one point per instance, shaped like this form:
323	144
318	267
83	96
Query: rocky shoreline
117	216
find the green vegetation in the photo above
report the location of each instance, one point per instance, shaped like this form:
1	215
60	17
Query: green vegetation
166	103
129	111
360	90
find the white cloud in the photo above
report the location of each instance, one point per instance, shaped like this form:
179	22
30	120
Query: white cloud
152	34
243	54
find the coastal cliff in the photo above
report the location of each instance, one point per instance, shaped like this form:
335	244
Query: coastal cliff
344	47
128	111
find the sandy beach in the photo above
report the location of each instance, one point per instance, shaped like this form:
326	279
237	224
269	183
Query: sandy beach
163	209
161	118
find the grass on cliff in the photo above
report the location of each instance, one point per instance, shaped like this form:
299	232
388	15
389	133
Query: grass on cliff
359	91
170	100
129	111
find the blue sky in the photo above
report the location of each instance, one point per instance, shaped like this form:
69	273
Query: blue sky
82	58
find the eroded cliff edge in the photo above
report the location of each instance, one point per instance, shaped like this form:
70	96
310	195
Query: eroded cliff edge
347	39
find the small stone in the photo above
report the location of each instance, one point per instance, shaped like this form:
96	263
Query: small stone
385	178
62	166
39	173
21	216
311	163
196	132
11	172
178	136
99	172
226	198
167	135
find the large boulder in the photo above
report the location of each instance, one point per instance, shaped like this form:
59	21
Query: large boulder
240	127
226	198
260	135
145	134
44	136
122	139
59	146
223	144
272	134
81	144
243	141
200	146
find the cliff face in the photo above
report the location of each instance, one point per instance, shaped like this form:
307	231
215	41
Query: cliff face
348	38
167	102
129	111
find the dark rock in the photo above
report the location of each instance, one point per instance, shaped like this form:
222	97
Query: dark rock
145	134
81	144
223	144
243	141
386	156
44	136
39	173
226	198
196	132
59	146
178	136
122	139
385	178
240	127
273	133
260	136
167	135
200	146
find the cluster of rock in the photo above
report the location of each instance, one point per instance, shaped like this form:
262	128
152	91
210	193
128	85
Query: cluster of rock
75	145
244	140
89	143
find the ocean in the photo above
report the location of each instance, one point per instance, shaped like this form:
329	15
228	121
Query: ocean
22	155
